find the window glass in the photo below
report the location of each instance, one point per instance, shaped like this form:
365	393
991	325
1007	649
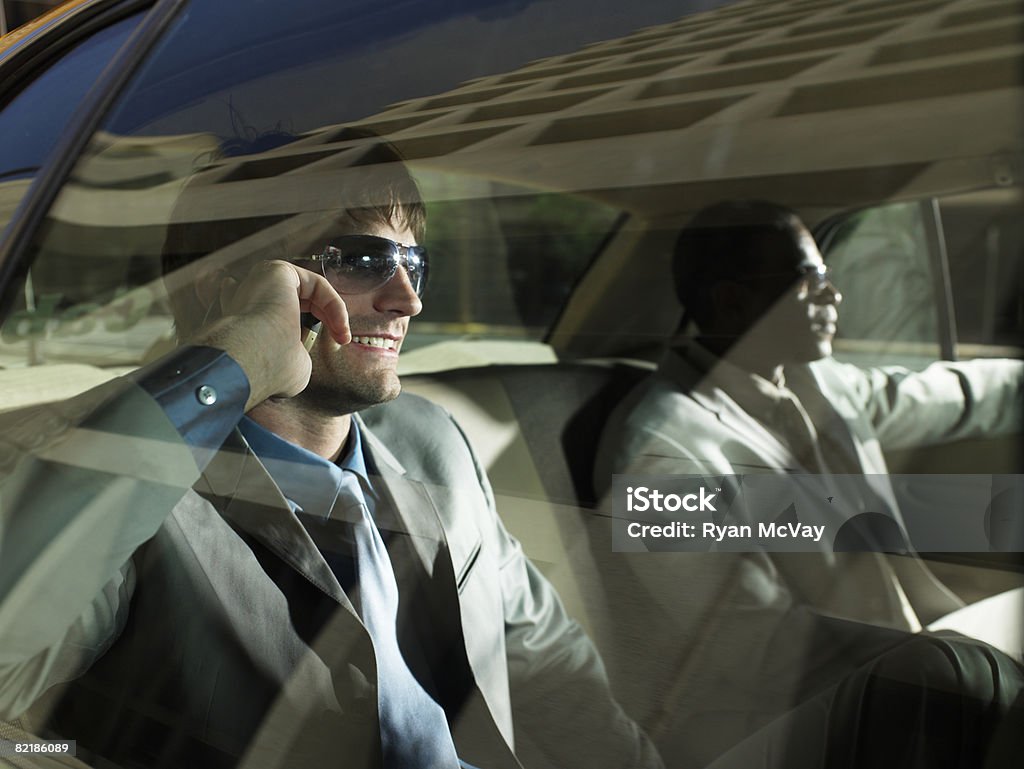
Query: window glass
560	148
984	238
34	118
881	263
264	124
508	260
890	271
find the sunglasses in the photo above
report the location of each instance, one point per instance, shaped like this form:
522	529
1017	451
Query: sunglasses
814	277
359	264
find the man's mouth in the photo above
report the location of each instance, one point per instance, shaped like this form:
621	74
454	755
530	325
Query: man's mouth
823	326
383	342
824	322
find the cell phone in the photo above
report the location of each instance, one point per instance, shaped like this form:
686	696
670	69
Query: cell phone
311	329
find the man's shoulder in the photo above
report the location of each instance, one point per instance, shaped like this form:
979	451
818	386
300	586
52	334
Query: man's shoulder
829	366
834	377
661	397
420	434
666	401
648	422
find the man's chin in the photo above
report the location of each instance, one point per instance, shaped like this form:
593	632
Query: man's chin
815	350
337	398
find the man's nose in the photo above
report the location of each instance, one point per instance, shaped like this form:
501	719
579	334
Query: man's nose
397	296
827	293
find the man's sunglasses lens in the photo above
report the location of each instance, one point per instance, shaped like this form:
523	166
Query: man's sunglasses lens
359	264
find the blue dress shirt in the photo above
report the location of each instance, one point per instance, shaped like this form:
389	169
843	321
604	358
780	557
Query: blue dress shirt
203	391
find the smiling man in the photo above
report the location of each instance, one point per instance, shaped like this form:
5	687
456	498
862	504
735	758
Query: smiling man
752	280
279	560
757	391
381	273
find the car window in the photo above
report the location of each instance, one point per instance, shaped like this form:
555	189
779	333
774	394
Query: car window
983	233
561	149
33	118
922	276
510	261
284	108
885	247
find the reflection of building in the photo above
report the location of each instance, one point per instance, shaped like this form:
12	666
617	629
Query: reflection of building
820	104
14	13
817	103
814	102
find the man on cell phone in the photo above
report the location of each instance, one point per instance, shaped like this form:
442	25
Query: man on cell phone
277	559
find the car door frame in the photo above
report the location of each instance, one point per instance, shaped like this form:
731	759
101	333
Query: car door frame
33	57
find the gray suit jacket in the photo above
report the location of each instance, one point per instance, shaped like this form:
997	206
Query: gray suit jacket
165	619
742	637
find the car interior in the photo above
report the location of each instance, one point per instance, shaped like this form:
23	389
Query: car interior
557	167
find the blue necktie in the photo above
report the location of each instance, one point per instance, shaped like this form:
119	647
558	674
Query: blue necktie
413	728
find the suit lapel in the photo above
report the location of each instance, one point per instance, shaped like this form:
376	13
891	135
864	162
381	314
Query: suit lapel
431	551
421	561
410	512
835	422
242	489
251	501
755	436
703	388
315	606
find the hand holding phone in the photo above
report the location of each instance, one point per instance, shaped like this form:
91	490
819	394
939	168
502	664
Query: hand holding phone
311	327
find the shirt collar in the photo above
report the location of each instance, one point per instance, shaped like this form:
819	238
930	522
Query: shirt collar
308	481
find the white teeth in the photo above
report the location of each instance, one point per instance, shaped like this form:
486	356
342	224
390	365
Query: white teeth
375	341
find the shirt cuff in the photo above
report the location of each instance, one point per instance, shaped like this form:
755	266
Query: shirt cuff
203	392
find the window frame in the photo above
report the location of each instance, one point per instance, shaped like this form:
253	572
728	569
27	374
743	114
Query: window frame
40	53
938	259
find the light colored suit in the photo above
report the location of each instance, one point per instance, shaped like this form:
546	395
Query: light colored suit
194	617
739	638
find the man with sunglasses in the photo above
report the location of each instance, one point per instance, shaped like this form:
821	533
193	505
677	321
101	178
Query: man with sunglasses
335	587
757	391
